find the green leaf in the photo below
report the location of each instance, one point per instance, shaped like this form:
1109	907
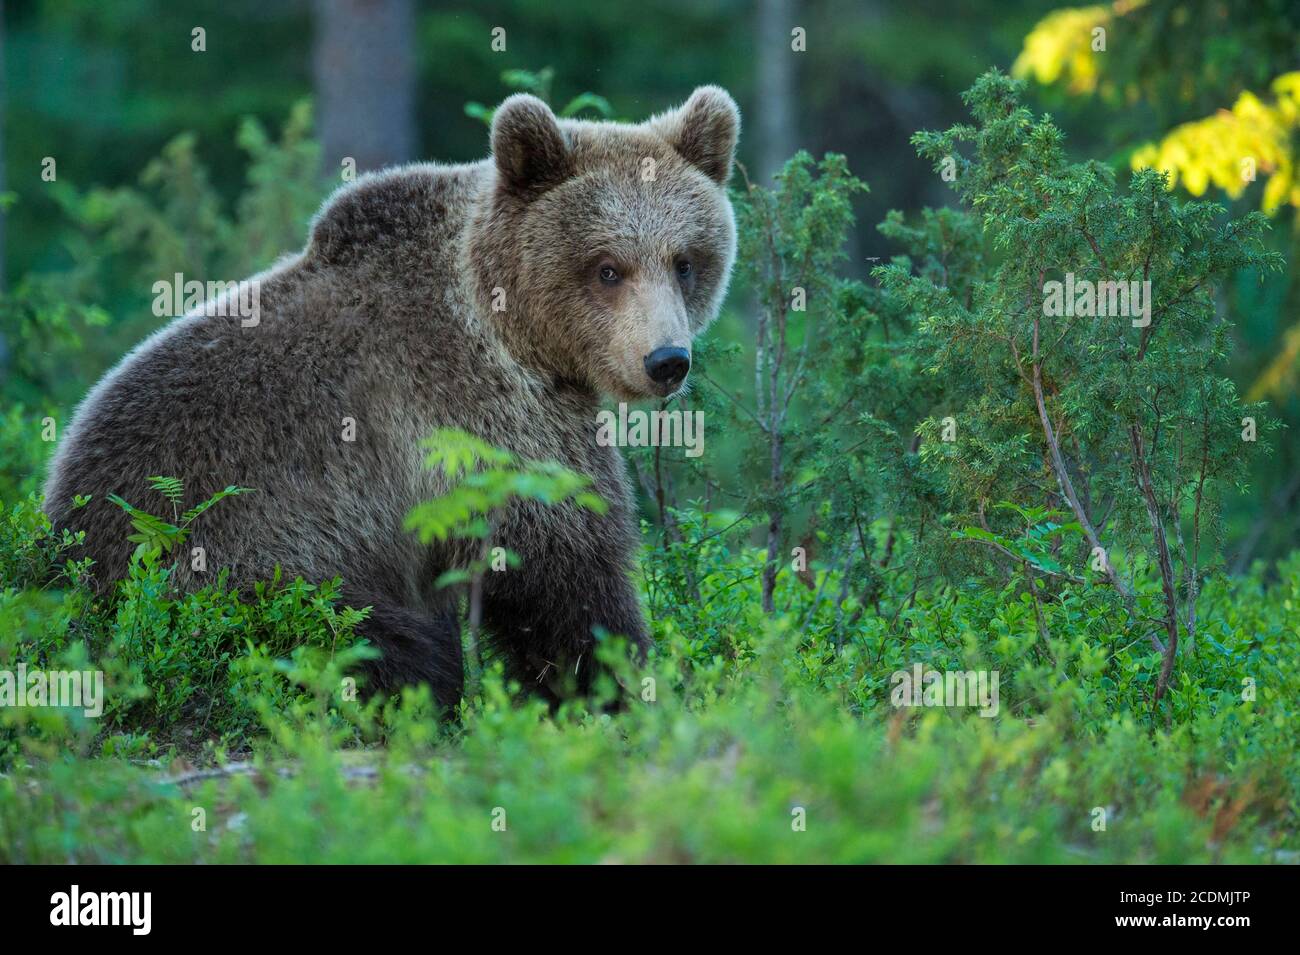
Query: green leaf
452	577
229	491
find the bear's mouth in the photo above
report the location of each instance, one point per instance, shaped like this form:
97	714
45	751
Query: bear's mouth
647	389
671	391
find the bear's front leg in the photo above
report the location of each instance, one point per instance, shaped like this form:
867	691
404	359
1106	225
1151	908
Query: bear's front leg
414	647
542	616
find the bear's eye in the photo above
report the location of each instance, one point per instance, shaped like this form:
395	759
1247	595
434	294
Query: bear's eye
684	269
609	275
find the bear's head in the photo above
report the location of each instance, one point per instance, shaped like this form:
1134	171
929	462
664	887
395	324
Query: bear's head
601	249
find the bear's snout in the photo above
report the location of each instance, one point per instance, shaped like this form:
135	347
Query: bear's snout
668	366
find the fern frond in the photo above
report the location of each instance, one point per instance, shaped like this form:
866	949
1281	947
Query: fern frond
169	487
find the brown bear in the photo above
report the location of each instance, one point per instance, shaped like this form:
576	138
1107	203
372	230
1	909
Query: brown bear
501	297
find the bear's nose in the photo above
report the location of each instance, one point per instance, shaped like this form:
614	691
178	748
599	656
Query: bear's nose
667	366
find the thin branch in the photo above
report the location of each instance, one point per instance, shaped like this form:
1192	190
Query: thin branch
1064	575
736	401
1067	486
1162	553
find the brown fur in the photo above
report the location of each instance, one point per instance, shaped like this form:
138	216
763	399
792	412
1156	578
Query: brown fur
387	318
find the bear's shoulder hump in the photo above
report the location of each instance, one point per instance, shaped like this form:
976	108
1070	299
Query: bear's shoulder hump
383	210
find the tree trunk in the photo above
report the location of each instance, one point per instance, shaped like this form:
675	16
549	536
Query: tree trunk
365	82
1143	474
776	86
774	519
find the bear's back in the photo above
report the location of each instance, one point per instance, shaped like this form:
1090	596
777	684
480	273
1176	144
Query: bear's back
317	404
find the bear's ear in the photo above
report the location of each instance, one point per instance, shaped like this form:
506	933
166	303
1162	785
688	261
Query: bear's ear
528	146
704	131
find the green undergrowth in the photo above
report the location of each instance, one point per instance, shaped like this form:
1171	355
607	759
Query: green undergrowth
228	735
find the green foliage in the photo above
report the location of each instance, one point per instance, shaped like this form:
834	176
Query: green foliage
539	84
185	673
41	332
1212	108
791	240
1033	546
484	480
175	221
124	240
30	551
22	451
1161	53
745	741
1123	420
154	536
